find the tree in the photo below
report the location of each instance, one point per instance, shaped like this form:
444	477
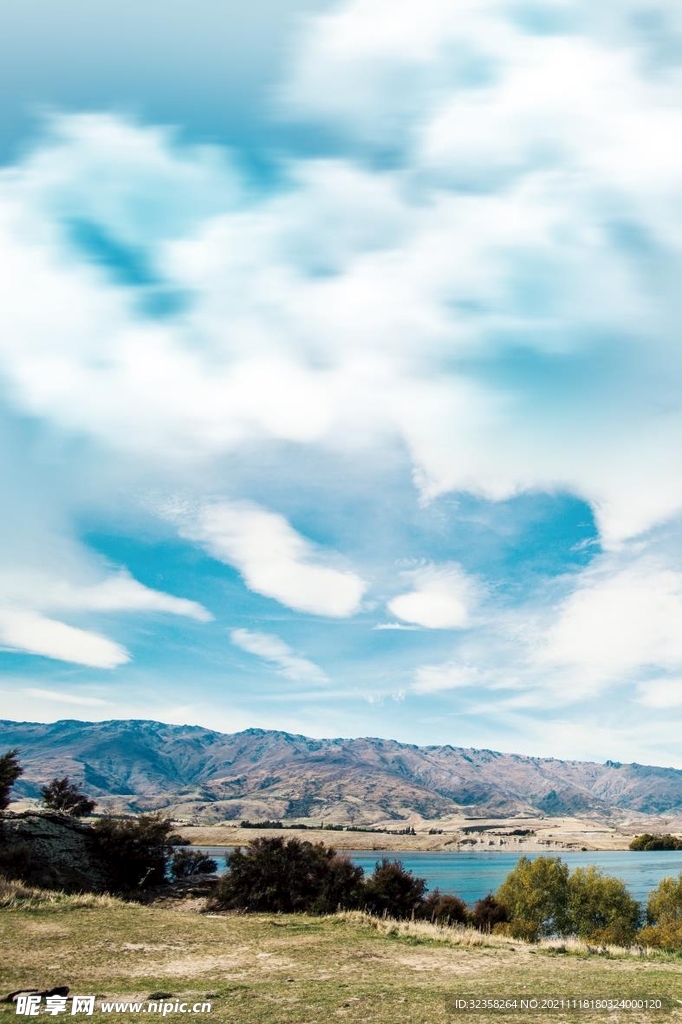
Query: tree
656	841
601	908
63	795
664	916
536	895
10	770
442	908
665	902
186	863
393	890
488	912
135	851
276	875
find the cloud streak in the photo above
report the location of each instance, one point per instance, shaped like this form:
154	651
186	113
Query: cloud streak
276	652
275	560
29	632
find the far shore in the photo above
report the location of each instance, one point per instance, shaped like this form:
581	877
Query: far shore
543	835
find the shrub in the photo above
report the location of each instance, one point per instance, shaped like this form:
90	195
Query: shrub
664	905
342	886
536	895
488	913
601	908
544	899
441	908
666	935
16	861
10	770
186	863
656	841
135	851
276	875
393	890
63	795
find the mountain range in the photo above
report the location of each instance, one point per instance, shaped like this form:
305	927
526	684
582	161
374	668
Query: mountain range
256	774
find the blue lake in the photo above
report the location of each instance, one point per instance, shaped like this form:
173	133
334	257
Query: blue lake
472	875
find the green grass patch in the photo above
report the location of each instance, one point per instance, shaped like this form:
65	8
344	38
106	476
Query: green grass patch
266	969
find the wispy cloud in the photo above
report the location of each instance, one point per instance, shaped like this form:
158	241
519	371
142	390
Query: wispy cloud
32	633
275	651
61	697
275	560
115	593
396	625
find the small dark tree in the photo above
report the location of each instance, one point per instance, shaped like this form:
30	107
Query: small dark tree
488	912
10	770
393	890
135	851
441	908
275	875
63	795
186	863
342	884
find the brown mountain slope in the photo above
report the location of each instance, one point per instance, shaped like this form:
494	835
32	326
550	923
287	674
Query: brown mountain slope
143	765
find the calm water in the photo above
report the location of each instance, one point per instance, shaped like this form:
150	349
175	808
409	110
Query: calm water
473	875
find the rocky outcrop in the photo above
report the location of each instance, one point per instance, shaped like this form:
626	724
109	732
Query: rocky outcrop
50	851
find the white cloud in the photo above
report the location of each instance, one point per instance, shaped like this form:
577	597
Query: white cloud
31	633
443	597
395	625
614	625
620	620
660	693
449	676
275	560
58	697
356	304
118	592
29	597
274	650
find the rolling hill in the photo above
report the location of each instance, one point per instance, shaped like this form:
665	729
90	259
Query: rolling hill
142	765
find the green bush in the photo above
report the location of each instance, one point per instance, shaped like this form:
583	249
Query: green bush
536	895
187	863
543	899
284	876
600	908
134	851
666	935
394	891
656	841
664	905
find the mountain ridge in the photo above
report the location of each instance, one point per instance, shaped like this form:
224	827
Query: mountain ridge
141	764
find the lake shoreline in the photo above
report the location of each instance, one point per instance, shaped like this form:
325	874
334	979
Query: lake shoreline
506	835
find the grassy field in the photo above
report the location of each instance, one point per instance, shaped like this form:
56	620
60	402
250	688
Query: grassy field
301	970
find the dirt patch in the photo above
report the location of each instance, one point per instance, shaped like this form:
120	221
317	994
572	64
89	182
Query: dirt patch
453	963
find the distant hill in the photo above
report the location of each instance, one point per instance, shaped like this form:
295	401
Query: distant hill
139	765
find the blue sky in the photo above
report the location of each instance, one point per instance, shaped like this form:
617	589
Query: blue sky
340	369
